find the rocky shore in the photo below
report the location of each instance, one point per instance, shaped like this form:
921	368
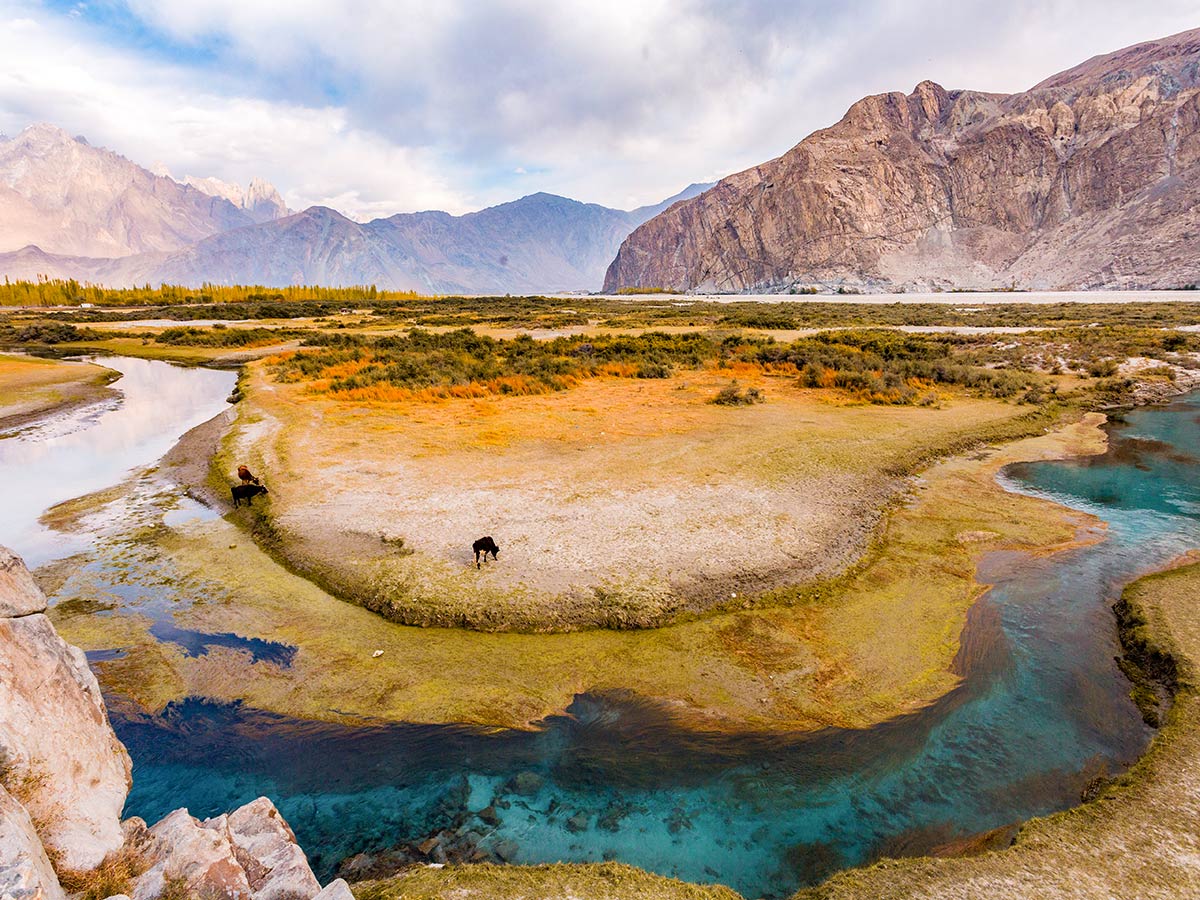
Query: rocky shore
64	777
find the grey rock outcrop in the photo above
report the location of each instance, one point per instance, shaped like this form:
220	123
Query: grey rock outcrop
55	738
25	870
19	593
249	854
335	890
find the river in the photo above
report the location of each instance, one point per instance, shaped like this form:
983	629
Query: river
1042	708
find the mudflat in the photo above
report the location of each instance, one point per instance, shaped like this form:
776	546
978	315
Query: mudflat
31	387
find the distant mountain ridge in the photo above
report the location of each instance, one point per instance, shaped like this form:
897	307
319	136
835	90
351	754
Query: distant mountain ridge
67	197
69	210
259	199
1090	179
541	242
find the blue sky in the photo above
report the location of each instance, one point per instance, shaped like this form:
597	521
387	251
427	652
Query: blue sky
379	108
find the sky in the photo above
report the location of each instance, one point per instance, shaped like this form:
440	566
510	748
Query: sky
379	108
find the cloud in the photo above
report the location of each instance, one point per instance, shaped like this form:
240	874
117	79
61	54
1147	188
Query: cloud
455	104
150	111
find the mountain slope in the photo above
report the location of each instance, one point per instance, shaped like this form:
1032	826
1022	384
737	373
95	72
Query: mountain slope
1089	179
69	210
541	242
67	197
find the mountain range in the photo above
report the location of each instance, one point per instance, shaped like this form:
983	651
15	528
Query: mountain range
71	210
1089	179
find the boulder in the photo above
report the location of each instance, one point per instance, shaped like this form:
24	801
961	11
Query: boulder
180	848
335	890
275	866
55	739
25	870
249	854
19	593
526	783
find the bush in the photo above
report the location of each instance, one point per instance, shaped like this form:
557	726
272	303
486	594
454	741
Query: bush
1103	368
55	333
875	366
732	395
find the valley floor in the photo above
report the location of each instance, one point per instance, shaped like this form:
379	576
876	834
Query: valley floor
826	654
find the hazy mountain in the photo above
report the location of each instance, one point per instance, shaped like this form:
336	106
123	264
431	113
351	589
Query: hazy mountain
1089	179
66	197
259	199
538	243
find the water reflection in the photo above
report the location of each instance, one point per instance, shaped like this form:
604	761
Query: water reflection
86	450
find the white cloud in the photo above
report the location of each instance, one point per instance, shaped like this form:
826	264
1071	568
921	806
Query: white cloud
150	111
377	108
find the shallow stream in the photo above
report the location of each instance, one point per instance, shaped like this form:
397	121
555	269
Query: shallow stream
1041	711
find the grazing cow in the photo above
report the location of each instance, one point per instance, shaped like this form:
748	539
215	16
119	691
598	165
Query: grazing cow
246	492
246	477
485	545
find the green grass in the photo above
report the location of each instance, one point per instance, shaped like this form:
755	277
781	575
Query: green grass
603	881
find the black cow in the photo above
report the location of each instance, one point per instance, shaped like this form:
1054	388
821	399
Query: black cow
246	492
485	545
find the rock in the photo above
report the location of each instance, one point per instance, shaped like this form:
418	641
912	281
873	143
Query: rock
1083	181
201	857
506	850
335	890
578	822
372	867
249	854
526	783
135	831
55	739
488	816
265	845
19	593
25	870
426	846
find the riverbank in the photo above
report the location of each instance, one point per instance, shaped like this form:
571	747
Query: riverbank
826	657
32	388
1139	835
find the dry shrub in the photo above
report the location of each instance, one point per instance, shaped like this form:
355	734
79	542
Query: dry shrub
114	875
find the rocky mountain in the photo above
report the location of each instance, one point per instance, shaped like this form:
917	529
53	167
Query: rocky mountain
260	200
1090	179
538	243
66	197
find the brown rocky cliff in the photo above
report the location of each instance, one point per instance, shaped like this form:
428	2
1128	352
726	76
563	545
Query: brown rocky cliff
1090	179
